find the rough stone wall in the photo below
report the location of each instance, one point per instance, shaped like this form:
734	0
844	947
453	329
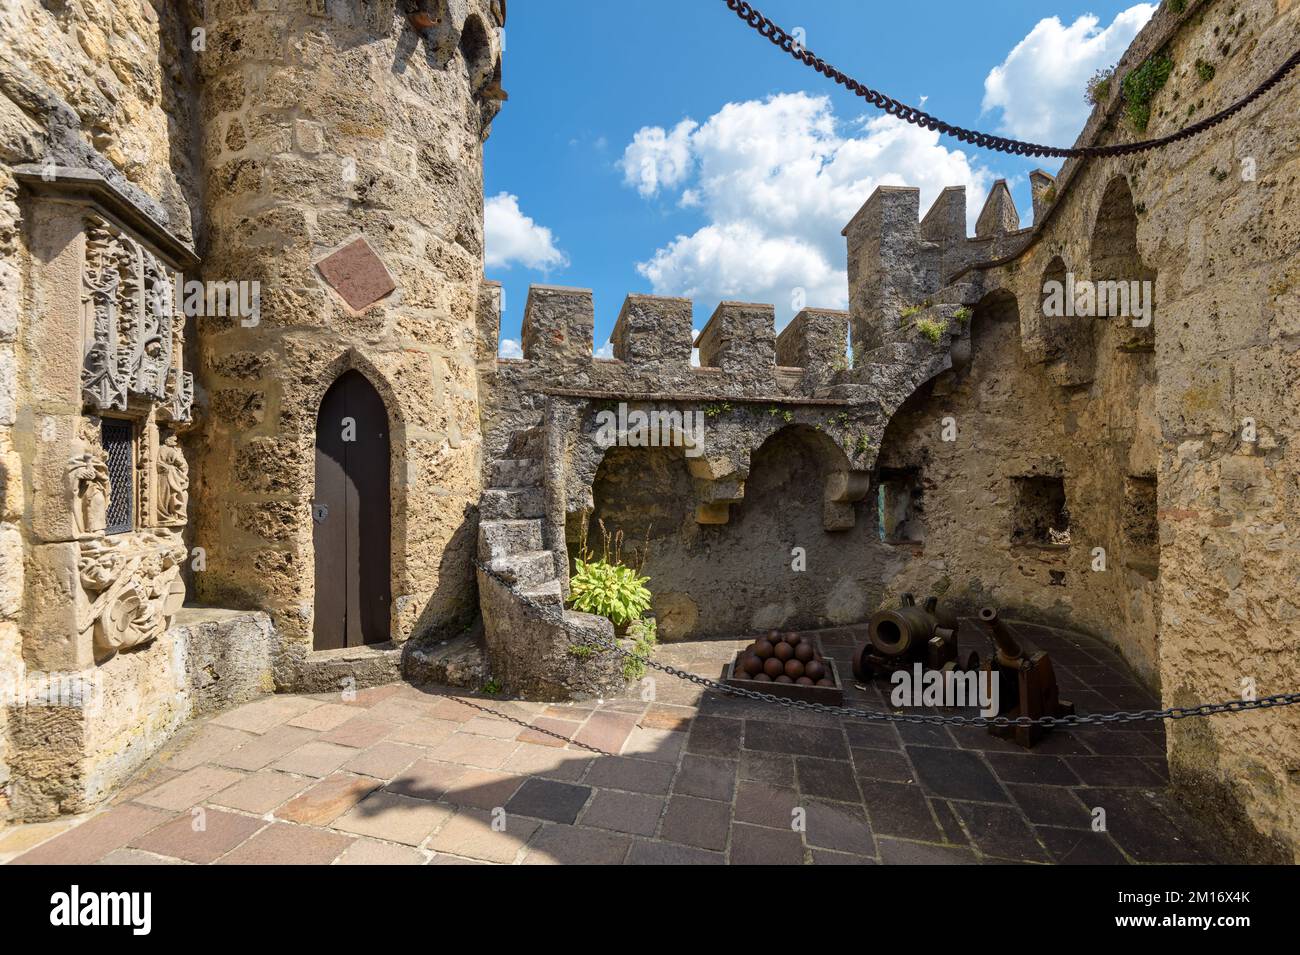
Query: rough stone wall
745	575
802	435
324	124
1170	446
104	86
1201	401
1228	251
979	544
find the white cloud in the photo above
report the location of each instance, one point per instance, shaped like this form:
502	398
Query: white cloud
511	237
606	350
656	159
1040	86
510	349
776	181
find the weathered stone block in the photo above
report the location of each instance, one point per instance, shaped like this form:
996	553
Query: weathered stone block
53	596
816	340
558	326
654	333
740	338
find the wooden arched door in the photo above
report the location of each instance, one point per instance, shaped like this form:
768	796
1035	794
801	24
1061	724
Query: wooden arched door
351	528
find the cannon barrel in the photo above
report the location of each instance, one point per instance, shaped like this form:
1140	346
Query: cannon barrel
1009	648
896	633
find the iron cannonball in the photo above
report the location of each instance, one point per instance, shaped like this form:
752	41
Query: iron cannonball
815	669
762	649
762	678
793	639
804	681
793	669
751	664
825	682
783	679
783	652
773	667
804	652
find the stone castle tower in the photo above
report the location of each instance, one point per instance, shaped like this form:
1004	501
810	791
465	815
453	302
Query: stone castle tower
293	449
342	170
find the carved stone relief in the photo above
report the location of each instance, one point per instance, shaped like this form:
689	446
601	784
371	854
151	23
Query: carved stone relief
134	588
134	339
87	479
133	345
173	483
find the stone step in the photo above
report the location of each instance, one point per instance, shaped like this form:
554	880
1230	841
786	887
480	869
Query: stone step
525	570
503	538
515	472
459	661
511	503
548	594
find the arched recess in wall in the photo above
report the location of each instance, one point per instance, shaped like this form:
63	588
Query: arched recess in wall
802	556
1123	285
646	494
987	375
1065	343
476	51
352	516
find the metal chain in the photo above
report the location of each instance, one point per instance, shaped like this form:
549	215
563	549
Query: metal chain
779	37
1133	716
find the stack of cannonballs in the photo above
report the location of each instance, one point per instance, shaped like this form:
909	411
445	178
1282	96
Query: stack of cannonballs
783	658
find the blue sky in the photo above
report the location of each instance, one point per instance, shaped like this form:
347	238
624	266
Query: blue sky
664	148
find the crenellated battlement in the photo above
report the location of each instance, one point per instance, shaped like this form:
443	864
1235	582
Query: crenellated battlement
740	352
898	259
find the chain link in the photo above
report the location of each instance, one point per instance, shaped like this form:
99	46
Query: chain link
769	30
1086	719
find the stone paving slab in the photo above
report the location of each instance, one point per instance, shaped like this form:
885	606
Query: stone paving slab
400	775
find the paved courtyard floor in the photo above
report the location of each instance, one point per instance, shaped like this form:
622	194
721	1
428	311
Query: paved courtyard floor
406	775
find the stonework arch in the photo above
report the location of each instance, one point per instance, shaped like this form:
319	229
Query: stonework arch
1118	272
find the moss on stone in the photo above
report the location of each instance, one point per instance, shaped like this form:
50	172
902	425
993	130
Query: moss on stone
1140	87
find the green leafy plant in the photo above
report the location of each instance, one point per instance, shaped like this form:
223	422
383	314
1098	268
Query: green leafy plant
1205	70
645	635
1141	85
491	688
713	410
908	312
864	443
963	315
1177	6
605	585
932	328
1098	89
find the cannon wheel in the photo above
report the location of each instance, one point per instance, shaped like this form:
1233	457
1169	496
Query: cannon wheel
862	671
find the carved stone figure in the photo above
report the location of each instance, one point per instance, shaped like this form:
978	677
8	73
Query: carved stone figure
135	588
173	483
88	483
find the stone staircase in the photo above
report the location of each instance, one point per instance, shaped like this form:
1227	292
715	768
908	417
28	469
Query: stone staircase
528	633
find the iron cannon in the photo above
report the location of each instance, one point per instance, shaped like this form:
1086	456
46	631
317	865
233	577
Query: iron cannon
1025	679
898	639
